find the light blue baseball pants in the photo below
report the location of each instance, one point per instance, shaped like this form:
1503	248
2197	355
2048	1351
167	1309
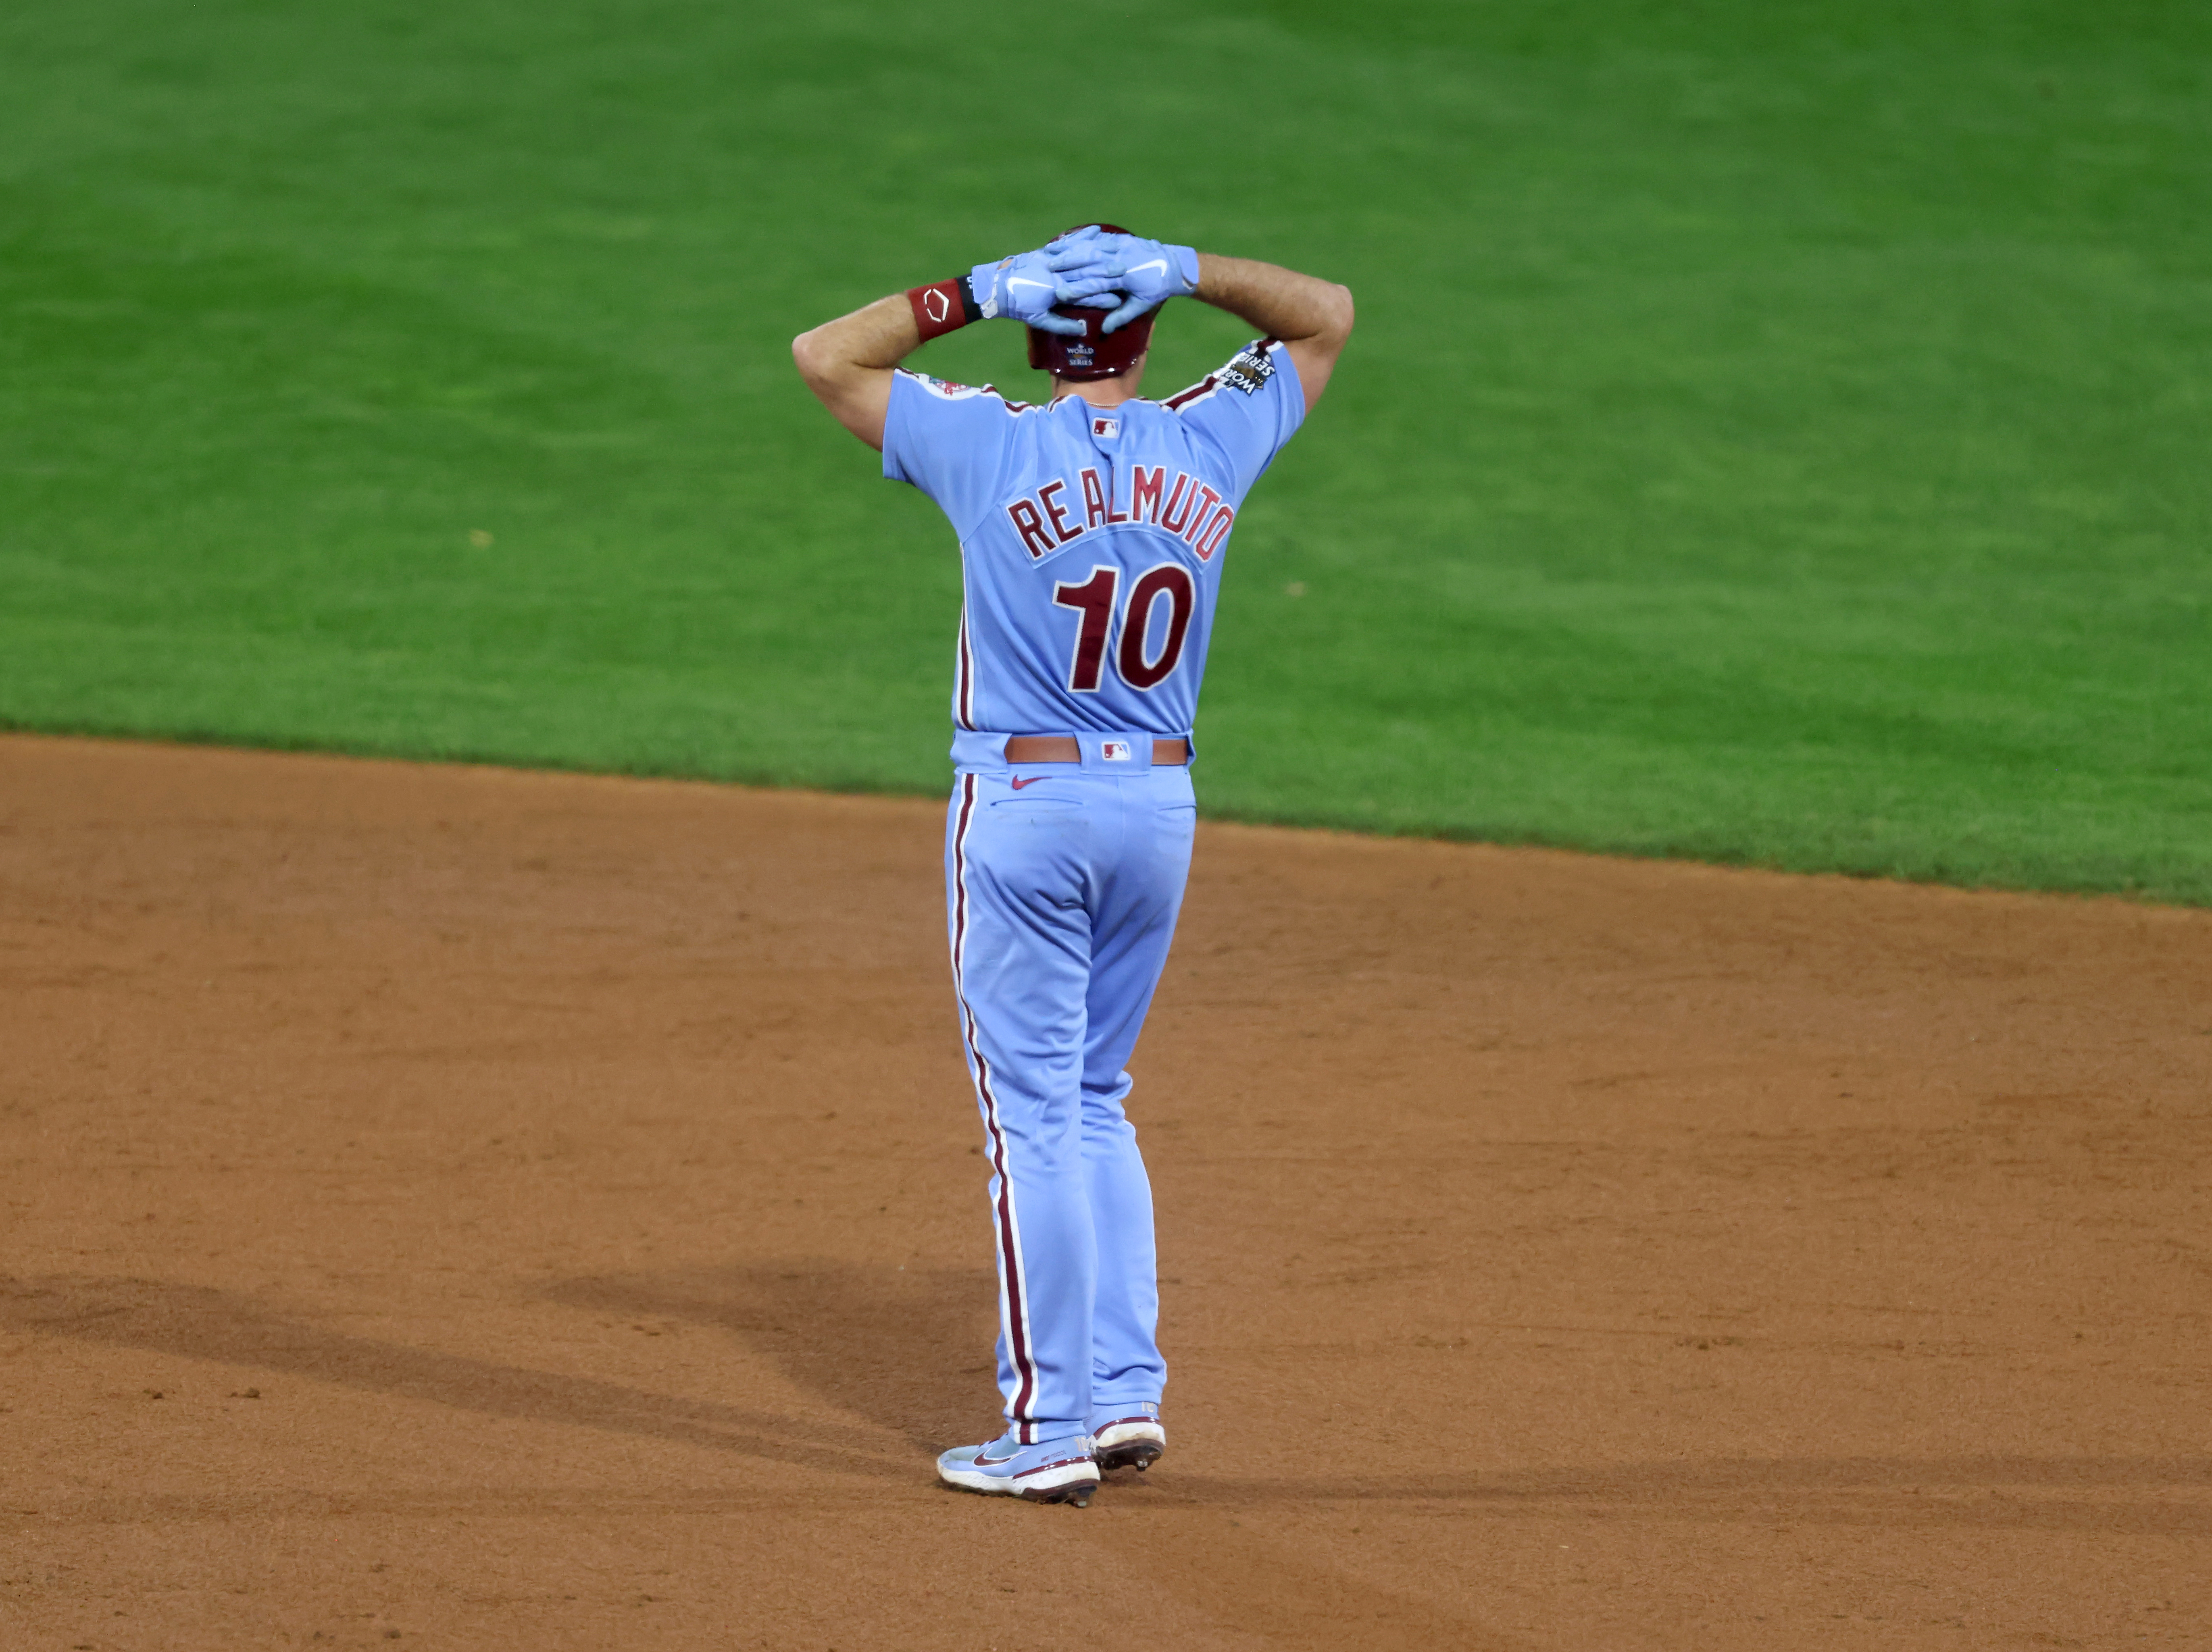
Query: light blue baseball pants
1062	885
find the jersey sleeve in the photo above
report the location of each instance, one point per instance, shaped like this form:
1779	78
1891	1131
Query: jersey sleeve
950	440
1248	409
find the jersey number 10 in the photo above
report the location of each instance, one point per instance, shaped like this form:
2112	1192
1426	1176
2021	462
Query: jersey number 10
1094	599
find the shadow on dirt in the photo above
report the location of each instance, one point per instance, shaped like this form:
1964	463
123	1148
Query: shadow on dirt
233	1330
906	1349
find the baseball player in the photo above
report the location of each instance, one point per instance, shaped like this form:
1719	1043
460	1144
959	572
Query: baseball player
1093	529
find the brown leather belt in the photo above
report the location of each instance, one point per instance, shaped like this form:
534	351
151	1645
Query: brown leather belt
1063	749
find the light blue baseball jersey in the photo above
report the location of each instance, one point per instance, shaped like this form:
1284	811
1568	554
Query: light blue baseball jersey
1091	542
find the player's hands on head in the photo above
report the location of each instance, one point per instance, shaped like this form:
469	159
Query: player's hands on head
1094	268
1147	274
1025	287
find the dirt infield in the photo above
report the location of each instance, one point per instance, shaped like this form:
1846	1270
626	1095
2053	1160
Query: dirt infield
476	1209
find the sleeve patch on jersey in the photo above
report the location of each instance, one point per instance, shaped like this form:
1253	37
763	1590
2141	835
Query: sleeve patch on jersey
948	390
1247	370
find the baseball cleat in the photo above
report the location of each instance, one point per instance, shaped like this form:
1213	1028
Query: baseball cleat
1127	1436
1059	1470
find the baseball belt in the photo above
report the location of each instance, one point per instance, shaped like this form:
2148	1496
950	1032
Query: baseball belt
1063	749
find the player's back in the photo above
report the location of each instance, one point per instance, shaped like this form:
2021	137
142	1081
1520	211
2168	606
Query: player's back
1092	540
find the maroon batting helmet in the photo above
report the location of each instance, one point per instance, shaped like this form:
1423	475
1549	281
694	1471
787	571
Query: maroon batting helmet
1097	354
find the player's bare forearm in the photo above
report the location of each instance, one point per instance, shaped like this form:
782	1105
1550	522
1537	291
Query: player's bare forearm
848	362
1311	316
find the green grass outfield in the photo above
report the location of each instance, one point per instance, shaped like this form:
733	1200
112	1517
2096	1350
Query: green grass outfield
1776	432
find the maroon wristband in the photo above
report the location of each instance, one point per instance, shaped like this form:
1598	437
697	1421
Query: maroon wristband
943	307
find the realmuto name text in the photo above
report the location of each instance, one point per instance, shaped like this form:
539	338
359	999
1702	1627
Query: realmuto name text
1191	510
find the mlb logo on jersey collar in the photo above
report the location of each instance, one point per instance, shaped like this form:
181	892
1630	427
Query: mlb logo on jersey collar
1104	429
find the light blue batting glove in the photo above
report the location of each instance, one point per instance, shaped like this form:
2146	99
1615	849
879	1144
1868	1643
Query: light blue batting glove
1145	273
1025	287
